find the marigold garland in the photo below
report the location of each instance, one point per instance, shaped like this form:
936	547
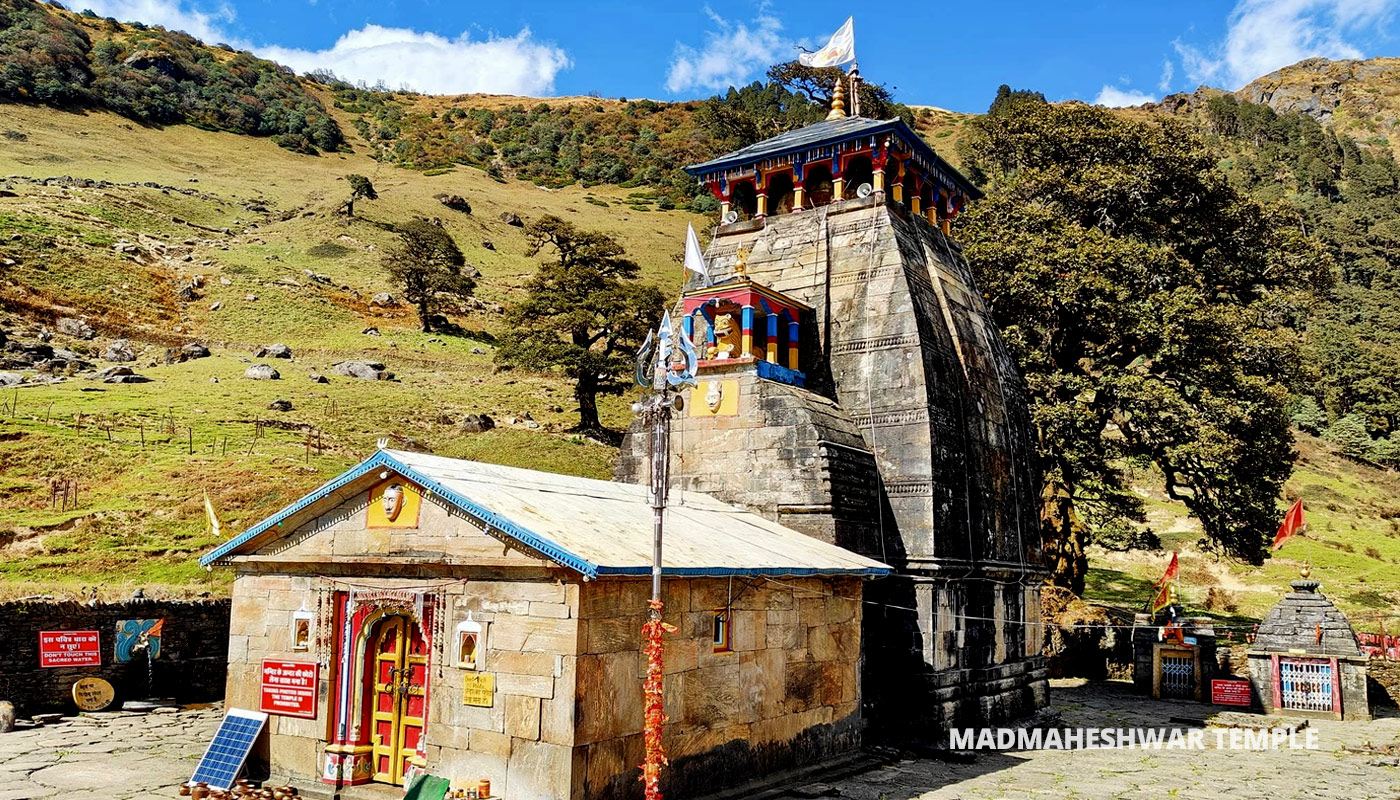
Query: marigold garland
652	701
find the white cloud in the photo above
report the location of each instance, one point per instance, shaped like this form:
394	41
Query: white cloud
1264	35
1113	97
1168	71
730	55
425	62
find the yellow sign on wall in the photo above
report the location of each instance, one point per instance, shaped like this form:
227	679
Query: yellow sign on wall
715	399
479	689
394	503
92	694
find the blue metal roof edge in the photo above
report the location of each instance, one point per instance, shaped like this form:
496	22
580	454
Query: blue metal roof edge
685	572
896	124
525	536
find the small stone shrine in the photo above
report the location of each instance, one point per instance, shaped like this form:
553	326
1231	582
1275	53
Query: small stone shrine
1305	660
1173	654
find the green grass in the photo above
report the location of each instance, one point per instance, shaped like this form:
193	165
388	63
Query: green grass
139	520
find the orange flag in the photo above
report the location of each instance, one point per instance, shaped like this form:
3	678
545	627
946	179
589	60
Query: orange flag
1292	523
1163	596
1170	574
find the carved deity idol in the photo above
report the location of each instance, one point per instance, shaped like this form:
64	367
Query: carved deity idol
392	501
714	395
726	337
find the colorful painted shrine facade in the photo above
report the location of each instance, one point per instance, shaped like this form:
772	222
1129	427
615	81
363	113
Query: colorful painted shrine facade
380	662
744	322
832	160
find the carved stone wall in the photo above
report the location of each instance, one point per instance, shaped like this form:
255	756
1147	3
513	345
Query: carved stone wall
914	411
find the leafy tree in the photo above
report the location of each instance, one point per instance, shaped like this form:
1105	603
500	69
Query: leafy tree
1386	451
818	86
1350	435
427	266
1308	416
584	315
360	186
1152	308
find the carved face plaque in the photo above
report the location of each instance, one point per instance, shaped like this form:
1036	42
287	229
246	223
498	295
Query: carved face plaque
714	395
392	501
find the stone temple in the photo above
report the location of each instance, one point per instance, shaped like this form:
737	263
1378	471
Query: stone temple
853	386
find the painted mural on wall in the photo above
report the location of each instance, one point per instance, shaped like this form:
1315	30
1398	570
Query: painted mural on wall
138	638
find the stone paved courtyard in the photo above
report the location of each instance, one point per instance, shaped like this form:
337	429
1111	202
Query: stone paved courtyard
116	756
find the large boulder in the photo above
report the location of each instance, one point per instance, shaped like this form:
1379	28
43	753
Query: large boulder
512	219
188	352
274	351
77	328
280	405
365	370
119	374
476	423
120	350
11	379
261	372
456	202
384	300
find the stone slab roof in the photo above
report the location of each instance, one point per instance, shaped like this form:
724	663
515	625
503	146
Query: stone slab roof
1294	624
598	528
830	131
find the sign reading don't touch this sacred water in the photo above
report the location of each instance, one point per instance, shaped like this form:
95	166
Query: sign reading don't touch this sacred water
69	649
289	688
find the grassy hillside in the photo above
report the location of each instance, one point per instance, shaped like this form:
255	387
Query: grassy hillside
119	253
1352	545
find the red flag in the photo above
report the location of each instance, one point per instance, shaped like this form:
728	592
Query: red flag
1162	598
1292	523
1170	574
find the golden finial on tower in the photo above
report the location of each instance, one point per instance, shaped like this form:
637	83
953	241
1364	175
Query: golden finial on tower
838	100
1305	571
741	262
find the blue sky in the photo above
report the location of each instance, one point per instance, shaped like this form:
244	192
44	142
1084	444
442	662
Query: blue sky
952	55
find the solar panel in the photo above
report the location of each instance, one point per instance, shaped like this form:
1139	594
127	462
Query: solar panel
226	753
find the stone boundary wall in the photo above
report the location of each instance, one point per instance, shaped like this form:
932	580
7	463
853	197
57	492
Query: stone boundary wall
191	666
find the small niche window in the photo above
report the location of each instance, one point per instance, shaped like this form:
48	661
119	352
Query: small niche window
722	624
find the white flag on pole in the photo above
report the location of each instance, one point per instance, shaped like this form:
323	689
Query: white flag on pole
840	50
694	258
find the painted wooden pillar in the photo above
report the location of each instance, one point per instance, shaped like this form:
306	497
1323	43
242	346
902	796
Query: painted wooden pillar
878	179
792	345
799	198
688	325
723	209
838	179
762	205
897	182
760	185
746	334
771	348
931	213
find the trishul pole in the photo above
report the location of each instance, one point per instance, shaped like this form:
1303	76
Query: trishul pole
671	362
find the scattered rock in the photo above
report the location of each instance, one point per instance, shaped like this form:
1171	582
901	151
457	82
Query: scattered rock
488	245
384	300
192	351
60	354
77	328
127	379
261	372
371	331
188	294
317	377
554	409
197	281
213	380
477	351
365	370
7	193
225	282
280	405
31	351
119	350
471	272
455	202
11	378
7	709
274	351
216	306
476	423
513	219
316	277
252	298
45	335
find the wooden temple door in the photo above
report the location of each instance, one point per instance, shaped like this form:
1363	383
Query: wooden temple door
400	674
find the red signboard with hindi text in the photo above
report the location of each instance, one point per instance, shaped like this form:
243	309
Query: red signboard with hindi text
70	649
289	688
1230	693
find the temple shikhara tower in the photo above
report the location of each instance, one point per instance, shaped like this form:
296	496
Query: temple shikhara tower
853	386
